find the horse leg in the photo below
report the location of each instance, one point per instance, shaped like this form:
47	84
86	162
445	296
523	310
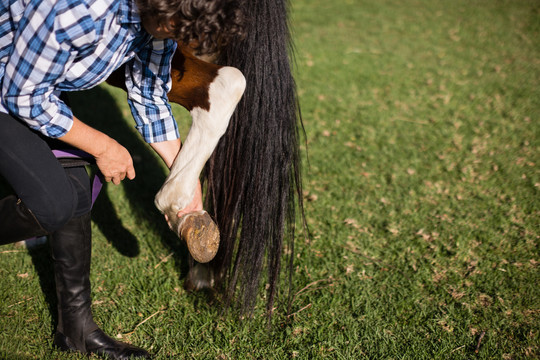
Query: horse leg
211	93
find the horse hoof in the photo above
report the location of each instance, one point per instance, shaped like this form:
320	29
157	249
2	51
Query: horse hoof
201	235
200	277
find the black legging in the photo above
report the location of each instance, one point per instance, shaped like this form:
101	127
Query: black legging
52	193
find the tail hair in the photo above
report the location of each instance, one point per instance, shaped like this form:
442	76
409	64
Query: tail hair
254	182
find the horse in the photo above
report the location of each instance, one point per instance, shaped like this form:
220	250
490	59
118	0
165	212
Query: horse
244	146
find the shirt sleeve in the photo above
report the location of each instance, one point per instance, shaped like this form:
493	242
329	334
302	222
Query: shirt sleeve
148	81
49	34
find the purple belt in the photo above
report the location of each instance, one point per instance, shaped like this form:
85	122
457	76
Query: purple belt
81	158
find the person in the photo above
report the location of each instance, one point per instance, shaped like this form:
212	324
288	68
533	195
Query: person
52	46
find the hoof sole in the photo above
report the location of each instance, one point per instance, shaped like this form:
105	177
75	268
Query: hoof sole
201	235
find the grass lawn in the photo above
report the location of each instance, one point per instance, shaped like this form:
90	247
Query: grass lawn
422	190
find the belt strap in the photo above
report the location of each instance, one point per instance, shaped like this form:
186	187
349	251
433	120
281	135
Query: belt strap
74	158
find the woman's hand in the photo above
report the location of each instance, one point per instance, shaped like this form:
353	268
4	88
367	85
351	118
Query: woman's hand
113	160
195	205
115	163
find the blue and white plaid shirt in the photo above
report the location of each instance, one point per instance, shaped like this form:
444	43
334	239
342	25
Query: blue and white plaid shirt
49	46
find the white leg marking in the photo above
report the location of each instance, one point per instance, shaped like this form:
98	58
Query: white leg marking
207	128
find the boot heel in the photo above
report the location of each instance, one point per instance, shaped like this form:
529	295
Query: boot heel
63	343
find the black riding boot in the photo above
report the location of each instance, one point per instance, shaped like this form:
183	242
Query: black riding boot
76	331
17	222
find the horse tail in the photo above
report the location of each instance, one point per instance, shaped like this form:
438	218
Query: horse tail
254	186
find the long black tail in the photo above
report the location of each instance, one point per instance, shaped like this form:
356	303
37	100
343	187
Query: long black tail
254	181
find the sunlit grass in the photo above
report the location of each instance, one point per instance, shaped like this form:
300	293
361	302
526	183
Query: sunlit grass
422	196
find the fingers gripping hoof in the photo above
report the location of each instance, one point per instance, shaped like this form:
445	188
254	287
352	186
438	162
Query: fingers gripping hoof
201	235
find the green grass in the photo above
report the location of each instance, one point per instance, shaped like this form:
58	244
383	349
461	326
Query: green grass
422	197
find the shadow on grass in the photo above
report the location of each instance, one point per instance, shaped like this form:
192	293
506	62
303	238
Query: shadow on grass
43	263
